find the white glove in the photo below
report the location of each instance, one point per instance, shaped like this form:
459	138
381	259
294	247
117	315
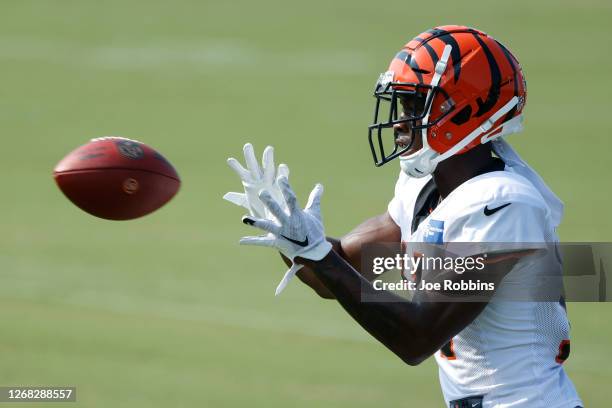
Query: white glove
255	179
294	232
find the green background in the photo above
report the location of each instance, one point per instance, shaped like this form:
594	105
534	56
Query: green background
168	310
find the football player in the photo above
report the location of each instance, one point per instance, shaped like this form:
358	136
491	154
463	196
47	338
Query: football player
442	109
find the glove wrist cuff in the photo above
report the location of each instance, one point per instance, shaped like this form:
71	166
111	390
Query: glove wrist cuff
318	252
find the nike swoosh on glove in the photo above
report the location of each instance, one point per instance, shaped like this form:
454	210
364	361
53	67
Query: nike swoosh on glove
254	179
294	232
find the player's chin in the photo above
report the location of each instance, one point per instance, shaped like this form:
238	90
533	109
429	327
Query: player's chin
410	151
403	141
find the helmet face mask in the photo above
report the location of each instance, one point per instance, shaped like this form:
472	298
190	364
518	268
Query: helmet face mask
399	103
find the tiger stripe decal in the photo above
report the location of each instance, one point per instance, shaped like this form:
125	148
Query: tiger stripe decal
448	38
493	95
407	58
432	53
511	61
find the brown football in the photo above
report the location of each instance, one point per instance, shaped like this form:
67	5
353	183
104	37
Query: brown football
117	178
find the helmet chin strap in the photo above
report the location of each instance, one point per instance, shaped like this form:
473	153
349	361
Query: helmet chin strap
424	162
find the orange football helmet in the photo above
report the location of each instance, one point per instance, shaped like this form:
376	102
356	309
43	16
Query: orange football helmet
466	89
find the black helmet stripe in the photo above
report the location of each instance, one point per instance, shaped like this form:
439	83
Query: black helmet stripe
493	96
436	32
511	61
455	52
407	58
432	53
447	38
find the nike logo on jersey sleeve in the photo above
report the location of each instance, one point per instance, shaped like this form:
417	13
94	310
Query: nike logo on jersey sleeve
490	211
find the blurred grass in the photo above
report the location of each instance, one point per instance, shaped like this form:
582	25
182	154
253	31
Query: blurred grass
167	310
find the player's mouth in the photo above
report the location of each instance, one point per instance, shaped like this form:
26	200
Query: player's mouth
403	141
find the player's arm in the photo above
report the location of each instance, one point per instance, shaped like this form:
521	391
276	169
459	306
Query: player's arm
412	330
377	229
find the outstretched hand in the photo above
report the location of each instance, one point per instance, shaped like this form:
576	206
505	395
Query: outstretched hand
295	232
255	178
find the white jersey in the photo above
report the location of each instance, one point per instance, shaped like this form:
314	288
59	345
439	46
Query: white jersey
512	353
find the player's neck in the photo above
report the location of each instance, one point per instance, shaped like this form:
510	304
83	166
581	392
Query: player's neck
456	170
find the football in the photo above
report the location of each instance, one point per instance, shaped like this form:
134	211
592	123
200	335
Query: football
117	178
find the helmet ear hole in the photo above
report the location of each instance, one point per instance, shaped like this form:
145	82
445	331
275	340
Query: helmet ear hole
462	116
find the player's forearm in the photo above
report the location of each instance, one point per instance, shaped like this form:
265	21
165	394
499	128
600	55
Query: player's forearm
381	228
308	277
398	324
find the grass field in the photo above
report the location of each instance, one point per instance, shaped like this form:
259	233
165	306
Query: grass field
168	311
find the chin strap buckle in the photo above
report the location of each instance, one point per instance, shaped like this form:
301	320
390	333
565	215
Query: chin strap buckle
441	66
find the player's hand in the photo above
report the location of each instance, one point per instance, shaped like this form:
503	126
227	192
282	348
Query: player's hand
293	231
254	179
